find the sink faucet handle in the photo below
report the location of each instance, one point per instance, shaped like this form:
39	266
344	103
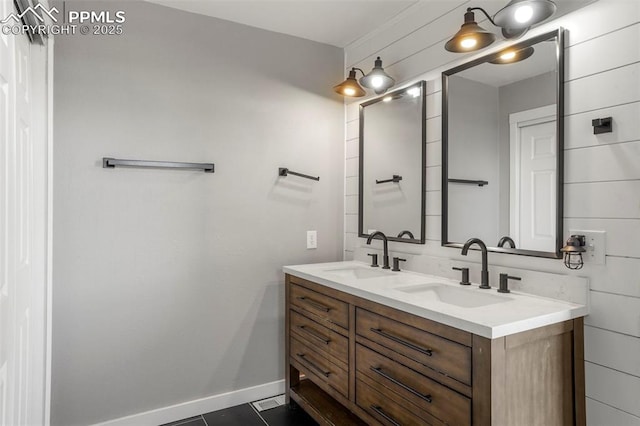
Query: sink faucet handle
396	264
504	283
374	259
465	275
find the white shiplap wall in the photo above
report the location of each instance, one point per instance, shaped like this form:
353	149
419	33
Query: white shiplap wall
602	173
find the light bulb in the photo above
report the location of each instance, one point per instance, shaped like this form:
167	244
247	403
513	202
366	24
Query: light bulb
349	91
523	14
376	82
468	43
414	91
507	56
387	98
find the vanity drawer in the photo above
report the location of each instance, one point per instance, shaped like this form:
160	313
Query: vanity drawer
320	305
428	395
387	411
445	356
320	366
323	339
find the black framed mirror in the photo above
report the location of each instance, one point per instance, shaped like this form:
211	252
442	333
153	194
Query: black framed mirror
502	149
392	179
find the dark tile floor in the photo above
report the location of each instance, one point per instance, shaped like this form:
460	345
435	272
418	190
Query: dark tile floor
246	415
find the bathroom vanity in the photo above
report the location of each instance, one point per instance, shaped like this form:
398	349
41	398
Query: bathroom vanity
368	346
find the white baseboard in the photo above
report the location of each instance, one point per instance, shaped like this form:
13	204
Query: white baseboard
199	406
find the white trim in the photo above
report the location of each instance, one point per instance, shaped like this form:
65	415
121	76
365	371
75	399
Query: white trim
517	120
535	114
49	283
199	406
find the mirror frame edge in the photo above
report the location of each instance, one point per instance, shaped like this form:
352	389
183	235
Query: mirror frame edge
423	197
559	33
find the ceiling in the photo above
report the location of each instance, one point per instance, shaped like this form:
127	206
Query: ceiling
348	19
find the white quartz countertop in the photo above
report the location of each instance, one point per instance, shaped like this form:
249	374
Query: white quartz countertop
486	313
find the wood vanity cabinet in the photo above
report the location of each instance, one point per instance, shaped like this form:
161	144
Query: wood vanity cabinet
351	361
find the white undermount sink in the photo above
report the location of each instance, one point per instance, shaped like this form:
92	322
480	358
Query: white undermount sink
462	297
359	273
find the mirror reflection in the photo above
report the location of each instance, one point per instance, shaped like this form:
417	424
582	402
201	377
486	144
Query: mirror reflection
502	149
392	161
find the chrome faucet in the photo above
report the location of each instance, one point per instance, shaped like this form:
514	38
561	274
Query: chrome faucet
385	259
484	279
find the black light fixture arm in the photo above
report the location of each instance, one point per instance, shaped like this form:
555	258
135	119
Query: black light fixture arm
471	9
358	69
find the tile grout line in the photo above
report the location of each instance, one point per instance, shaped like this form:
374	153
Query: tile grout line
186	421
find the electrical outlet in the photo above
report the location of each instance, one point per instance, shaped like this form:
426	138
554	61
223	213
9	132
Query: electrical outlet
595	245
312	239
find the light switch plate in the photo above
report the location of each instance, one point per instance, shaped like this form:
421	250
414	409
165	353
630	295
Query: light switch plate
312	239
595	245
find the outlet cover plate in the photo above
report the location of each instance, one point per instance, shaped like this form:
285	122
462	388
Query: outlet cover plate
595	245
312	239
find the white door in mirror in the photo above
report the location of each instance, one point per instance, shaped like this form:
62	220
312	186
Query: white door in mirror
533	178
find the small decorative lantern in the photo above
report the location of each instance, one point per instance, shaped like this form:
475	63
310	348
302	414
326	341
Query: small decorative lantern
573	250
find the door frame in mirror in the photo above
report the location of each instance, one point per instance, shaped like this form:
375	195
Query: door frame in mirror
559	34
423	104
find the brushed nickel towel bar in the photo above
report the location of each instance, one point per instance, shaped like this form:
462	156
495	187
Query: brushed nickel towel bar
110	163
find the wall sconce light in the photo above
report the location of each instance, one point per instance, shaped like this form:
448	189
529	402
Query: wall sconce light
377	79
511	56
471	36
602	125
519	14
514	19
350	86
573	250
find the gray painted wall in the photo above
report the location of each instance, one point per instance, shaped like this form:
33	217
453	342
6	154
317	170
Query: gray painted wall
473	154
168	284
479	149
392	145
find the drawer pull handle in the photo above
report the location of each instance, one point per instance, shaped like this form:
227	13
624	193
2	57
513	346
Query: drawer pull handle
311	332
313	366
427	352
384	415
379	371
314	304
